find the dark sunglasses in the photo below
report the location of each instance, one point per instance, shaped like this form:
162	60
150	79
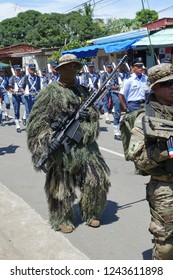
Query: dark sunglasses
168	84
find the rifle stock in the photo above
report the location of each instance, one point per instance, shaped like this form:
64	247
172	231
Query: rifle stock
70	130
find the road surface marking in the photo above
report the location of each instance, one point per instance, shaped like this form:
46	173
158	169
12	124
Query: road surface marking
111	152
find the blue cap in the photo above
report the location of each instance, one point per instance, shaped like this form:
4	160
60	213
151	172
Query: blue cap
53	63
108	64
43	69
2	68
90	64
165	60
31	66
17	67
137	61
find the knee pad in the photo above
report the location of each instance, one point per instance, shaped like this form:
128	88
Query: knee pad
163	251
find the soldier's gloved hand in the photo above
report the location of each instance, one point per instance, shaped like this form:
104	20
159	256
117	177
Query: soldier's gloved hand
54	145
170	146
57	124
126	111
84	114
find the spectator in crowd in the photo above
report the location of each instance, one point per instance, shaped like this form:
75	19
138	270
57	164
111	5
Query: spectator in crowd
132	95
4	93
53	74
15	88
110	87
44	78
90	78
31	84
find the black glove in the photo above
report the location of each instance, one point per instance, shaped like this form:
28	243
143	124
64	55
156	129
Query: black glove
54	145
170	146
126	111
57	124
84	114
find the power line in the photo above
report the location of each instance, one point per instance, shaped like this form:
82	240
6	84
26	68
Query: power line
16	6
164	10
82	5
108	4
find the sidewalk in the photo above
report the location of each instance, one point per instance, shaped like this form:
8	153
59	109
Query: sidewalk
24	235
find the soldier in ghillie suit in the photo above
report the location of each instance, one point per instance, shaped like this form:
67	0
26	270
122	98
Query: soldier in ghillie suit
84	167
151	149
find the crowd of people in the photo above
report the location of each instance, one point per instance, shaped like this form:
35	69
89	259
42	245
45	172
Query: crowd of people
146	130
22	87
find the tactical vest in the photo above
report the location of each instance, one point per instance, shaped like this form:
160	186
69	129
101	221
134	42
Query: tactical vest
154	109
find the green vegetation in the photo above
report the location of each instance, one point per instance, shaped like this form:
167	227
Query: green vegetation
65	31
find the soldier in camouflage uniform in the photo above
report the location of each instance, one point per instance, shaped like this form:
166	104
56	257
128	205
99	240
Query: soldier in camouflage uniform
84	167
151	149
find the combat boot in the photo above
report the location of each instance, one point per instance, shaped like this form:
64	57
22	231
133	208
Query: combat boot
66	228
94	223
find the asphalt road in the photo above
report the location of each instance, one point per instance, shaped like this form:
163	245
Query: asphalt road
123	234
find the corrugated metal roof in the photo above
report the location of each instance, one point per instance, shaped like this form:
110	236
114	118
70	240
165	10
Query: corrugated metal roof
160	38
139	33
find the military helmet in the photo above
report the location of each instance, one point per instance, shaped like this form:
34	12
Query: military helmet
160	73
68	58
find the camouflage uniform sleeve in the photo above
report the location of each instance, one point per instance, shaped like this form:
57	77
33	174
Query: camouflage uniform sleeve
39	131
144	155
90	127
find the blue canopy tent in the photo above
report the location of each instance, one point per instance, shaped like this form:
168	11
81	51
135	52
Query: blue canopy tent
83	52
120	46
114	43
92	50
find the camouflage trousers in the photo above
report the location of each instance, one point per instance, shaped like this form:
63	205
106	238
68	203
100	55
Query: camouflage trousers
160	198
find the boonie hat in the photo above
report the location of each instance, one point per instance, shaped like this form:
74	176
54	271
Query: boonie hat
160	73
68	58
31	66
137	61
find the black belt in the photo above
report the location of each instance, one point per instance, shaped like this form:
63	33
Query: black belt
137	101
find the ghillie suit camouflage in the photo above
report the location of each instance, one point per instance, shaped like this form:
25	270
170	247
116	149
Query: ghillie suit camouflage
83	168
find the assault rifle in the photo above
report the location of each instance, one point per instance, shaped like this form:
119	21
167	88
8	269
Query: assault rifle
157	128
70	131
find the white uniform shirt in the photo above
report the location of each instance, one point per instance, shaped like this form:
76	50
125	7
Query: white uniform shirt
134	88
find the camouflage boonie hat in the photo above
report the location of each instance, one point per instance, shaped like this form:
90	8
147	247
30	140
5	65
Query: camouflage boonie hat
68	58
160	73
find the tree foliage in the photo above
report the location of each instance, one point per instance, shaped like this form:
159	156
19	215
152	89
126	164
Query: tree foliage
65	31
145	16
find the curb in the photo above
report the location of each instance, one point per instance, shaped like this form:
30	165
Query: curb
24	235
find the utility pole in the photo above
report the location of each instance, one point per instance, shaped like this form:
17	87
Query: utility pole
148	32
